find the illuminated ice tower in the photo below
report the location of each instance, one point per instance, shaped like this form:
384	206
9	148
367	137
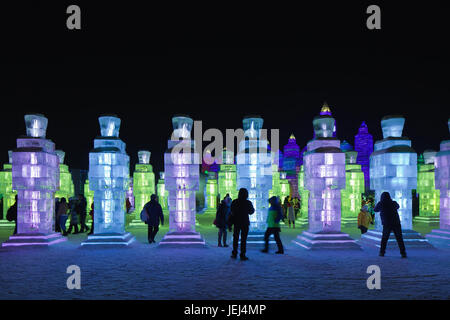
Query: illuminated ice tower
6	190
182	170
291	159
364	147
254	171
211	192
227	175
285	186
163	194
351	196
35	176
428	194
143	182
66	189
393	168
109	178
324	166
441	236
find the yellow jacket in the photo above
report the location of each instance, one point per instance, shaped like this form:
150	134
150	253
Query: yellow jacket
364	218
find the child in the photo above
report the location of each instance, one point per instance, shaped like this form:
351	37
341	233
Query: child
364	218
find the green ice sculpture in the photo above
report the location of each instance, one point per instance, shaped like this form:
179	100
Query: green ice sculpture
6	189
66	189
143	182
227	176
351	196
428	195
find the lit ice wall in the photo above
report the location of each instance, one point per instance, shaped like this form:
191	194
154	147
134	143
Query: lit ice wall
143	181
35	176
254	170
163	194
89	195
211	191
109	177
182	170
324	166
351	196
393	168
428	195
304	193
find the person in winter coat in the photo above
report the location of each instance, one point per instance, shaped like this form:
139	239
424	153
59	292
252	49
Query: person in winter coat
81	211
241	208
273	225
364	218
391	222
73	216
91	213
63	207
222	214
155	215
291	214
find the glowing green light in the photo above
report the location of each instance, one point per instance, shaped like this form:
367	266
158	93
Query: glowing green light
428	195
66	188
89	195
304	194
227	180
6	189
143	186
351	196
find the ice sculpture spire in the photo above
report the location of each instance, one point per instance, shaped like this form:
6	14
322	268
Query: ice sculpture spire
364	147
143	184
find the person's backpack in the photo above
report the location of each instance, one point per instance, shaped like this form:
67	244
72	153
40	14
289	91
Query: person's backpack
144	215
10	214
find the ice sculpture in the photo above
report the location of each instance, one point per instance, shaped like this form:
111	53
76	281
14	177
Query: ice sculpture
66	188
163	194
351	196
227	175
211	192
291	160
109	179
35	176
428	194
143	182
441	236
364	147
304	197
324	167
254	171
393	168
275	191
6	190
181	167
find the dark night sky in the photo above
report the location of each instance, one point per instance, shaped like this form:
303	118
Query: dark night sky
219	73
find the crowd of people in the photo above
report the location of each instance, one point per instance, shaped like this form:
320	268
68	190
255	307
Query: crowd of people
233	213
75	209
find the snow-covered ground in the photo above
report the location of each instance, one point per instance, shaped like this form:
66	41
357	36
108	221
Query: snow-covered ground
145	271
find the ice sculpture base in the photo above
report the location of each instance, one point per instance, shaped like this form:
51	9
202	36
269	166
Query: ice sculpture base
439	237
33	240
182	239
326	241
302	221
411	238
353	221
108	240
7	224
256	239
426	220
137	224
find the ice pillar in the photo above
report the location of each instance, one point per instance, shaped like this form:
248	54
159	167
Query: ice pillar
6	190
364	147
254	170
143	181
109	179
351	196
227	175
66	188
393	168
162	192
35	176
324	166
441	236
182	170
